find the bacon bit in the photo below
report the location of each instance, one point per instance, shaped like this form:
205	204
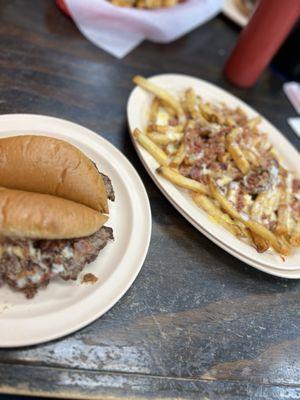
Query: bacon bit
296	208
89	278
282	257
173	121
296	185
240	203
30	292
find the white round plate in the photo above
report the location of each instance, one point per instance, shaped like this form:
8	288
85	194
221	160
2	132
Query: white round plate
138	105
232	12
64	307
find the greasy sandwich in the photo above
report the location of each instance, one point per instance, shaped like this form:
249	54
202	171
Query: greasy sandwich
53	207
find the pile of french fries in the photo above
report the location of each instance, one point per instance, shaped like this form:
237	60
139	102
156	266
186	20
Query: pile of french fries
147	4
267	219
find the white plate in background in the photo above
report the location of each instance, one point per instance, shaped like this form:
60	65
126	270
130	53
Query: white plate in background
232	12
138	106
64	307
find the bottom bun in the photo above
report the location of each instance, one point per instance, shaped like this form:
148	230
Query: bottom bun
42	216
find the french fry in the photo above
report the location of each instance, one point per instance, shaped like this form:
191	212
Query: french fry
230	121
254	226
169	3
164	139
265	204
157	128
190	98
160	156
259	242
251	157
236	152
175	177
285	222
153	110
153	3
179	156
160	93
253	122
219	217
295	237
278	244
207	112
169	110
164	128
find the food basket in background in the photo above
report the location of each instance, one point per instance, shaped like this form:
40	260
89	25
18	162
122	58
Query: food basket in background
118	30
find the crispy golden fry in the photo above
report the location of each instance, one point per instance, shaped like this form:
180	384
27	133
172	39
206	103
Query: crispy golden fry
265	204
157	128
160	93
259	242
179	156
156	152
208	113
191	105
274	153
285	222
230	122
175	177
254	226
153	3
236	152
153	110
123	3
245	232
221	218
225	204
169	3
251	157
295	237
253	122
277	243
165	138
164	128
169	110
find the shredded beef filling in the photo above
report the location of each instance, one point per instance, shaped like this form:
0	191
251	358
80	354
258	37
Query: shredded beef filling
27	265
108	186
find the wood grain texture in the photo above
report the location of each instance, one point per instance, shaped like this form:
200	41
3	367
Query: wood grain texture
197	323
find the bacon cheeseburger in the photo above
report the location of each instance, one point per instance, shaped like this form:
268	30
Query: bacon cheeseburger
53	207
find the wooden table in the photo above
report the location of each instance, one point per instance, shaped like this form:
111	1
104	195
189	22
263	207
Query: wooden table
197	323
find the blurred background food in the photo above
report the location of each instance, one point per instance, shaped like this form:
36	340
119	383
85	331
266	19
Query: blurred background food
148	4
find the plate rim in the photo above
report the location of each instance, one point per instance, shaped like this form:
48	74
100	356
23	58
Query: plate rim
231	11
140	258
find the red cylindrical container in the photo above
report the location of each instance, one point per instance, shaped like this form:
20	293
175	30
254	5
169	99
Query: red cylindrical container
62	5
258	42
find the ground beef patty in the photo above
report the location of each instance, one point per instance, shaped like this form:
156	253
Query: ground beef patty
108	186
27	265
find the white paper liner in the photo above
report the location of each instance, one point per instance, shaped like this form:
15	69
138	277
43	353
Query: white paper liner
118	30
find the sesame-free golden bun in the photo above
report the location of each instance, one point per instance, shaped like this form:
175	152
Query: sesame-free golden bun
29	215
51	166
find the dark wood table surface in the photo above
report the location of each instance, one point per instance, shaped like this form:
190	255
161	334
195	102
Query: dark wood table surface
197	323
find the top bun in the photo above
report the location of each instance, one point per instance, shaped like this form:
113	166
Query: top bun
29	215
47	165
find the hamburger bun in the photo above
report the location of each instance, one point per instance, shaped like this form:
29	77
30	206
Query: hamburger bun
41	216
47	165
